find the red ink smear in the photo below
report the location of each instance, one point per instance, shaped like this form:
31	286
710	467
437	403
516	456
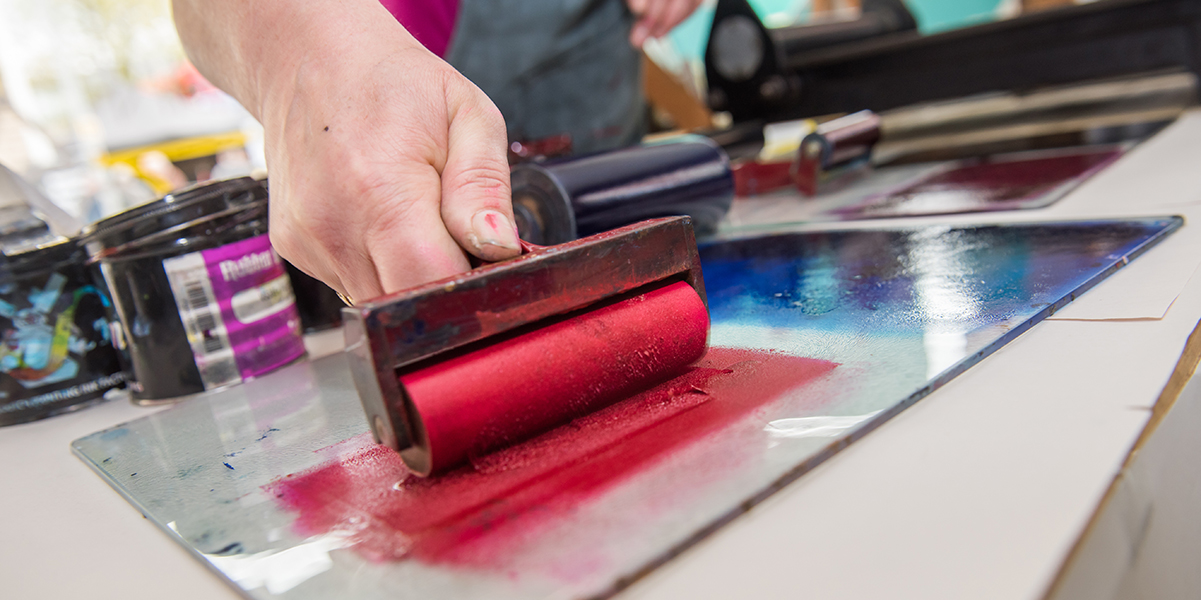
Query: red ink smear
490	219
477	515
1000	185
1010	180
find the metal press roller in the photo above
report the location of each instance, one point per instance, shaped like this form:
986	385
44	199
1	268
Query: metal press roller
459	367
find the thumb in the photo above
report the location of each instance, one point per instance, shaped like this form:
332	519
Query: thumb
477	201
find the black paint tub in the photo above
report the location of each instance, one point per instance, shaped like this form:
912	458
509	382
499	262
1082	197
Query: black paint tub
560	200
318	305
56	354
203	302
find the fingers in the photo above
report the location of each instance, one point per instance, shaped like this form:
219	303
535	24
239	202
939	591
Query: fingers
673	15
476	198
641	28
381	239
422	235
375	205
656	18
405	242
653	16
289	246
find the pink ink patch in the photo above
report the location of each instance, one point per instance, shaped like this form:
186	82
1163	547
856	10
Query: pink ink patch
477	515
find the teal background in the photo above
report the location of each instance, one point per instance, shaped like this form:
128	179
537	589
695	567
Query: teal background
691	36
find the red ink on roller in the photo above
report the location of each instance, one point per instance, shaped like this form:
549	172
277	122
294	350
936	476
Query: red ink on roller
462	366
508	391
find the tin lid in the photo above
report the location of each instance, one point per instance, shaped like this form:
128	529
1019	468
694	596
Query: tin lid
175	209
16	192
18	221
208	231
39	253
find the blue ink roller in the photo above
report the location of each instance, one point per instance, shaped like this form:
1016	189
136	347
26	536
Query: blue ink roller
563	199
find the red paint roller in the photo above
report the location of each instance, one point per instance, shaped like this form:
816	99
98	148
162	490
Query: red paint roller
461	367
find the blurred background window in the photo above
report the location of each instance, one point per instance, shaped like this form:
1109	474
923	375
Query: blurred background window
100	108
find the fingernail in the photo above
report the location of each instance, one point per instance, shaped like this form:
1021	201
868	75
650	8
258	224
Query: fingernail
495	237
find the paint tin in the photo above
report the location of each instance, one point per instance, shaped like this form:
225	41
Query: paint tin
56	354
560	200
203	300
319	306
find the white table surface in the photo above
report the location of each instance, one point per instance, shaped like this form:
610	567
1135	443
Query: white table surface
978	491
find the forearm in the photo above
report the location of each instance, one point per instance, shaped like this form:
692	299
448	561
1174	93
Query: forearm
386	164
255	49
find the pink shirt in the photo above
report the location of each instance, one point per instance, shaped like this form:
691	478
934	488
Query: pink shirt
430	21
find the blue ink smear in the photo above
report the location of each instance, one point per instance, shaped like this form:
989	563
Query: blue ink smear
265	434
898	281
227	465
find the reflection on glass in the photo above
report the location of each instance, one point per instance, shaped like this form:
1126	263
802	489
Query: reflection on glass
278	571
815	426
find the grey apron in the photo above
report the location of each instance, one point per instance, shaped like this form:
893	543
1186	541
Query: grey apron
554	67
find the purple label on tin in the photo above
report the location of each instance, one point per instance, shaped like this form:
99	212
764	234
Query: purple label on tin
237	306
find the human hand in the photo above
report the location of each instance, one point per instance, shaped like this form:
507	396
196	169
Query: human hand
657	17
385	163
376	186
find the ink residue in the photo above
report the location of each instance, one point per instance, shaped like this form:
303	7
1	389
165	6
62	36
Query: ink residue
470	516
266	434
